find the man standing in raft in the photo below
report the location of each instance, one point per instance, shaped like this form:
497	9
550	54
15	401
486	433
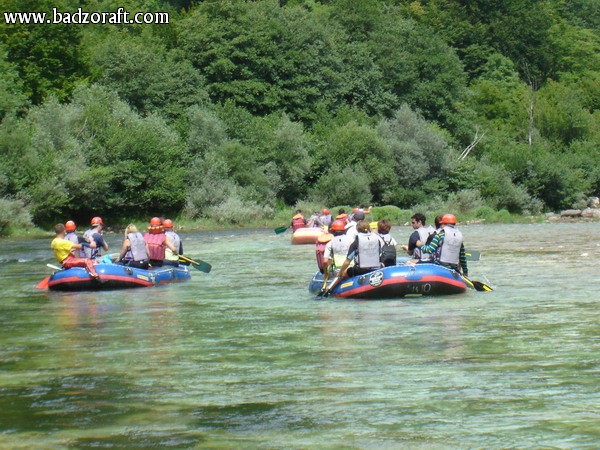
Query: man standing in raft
63	251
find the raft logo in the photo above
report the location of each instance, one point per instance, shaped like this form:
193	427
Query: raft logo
376	278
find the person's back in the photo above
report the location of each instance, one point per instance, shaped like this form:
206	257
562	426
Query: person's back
447	246
63	252
94	234
365	251
134	250
298	221
171	257
325	218
156	240
388	249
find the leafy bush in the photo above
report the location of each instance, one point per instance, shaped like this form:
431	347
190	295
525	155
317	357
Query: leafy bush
463	202
13	215
342	186
391	213
237	211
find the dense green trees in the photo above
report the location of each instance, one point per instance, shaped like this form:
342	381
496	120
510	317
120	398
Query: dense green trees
237	108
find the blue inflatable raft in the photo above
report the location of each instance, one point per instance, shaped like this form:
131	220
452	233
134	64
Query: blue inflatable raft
115	276
396	282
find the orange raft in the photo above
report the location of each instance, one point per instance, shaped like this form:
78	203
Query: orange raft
307	235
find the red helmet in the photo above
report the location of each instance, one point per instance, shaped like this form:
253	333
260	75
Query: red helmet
155	222
337	225
97	221
326	211
448	219
70	226
167	223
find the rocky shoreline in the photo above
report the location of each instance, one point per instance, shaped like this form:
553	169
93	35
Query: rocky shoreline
591	213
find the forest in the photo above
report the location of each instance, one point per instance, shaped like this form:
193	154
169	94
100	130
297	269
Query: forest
235	110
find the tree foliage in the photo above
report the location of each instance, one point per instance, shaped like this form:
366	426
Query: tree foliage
236	108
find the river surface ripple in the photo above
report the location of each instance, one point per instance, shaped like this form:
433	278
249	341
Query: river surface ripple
245	357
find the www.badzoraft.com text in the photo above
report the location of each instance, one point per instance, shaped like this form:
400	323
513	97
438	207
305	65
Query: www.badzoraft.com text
80	17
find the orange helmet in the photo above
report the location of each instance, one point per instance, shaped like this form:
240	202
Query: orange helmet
97	221
155	222
326	211
70	225
337	225
167	223
448	219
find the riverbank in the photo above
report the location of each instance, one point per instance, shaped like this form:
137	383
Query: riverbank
282	217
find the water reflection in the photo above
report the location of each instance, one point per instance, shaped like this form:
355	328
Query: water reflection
244	357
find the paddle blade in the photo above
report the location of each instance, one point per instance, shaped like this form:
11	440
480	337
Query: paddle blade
280	230
472	255
43	284
477	285
202	266
481	287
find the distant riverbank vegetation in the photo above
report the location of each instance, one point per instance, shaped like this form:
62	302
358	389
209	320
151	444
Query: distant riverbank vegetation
237	112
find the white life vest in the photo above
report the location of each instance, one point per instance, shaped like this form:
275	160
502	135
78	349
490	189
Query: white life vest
368	251
88	252
339	249
176	241
72	236
450	251
137	247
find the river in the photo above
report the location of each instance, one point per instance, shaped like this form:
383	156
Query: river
245	357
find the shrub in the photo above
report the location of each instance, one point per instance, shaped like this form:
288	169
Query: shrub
13	214
237	211
391	213
464	201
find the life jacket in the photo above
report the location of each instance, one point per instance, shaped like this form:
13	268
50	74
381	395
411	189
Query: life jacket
369	251
325	220
343	217
156	245
388	250
176	241
424	234
88	252
137	247
298	222
339	249
450	249
72	236
320	249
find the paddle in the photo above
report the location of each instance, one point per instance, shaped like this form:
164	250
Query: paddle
280	229
202	266
324	285
43	284
477	285
326	292
472	255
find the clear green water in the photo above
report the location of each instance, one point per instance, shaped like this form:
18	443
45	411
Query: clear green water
244	357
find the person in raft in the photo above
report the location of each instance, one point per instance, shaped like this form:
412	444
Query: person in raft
157	242
298	221
63	251
94	234
447	246
170	257
134	250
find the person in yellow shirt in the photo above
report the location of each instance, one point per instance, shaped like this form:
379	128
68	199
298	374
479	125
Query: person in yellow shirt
63	251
